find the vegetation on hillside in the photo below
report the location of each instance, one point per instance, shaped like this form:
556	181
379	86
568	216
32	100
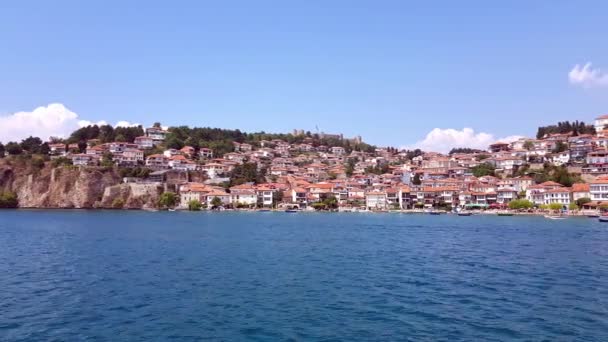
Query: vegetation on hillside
464	150
247	173
105	134
483	169
576	128
558	174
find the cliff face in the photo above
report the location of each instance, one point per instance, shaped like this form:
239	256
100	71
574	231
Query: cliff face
73	187
131	196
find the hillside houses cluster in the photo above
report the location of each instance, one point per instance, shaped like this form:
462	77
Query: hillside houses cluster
303	174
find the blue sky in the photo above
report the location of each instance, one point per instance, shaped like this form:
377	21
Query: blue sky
390	71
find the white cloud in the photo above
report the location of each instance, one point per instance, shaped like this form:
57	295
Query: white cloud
44	122
52	120
443	140
85	123
126	124
587	76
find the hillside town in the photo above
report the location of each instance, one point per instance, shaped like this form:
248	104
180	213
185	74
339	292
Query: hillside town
564	168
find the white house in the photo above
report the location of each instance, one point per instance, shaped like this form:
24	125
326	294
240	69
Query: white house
598	189
82	159
376	200
157	134
600	123
144	142
558	195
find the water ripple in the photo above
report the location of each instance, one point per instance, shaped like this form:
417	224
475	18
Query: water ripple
131	276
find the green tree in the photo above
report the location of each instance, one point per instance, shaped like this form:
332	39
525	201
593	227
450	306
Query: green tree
167	200
560	147
556	206
582	201
8	199
464	150
194	205
1	150
13	148
82	146
484	169
107	159
572	206
31	145
528	145
246	173
350	167
520	204
216	202
331	202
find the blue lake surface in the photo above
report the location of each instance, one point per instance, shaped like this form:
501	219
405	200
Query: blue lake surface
141	276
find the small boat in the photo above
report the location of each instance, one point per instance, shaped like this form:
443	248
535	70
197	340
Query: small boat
593	216
465	214
435	212
603	218
171	209
505	214
263	210
291	210
555	217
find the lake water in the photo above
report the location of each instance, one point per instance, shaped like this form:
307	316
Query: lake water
141	276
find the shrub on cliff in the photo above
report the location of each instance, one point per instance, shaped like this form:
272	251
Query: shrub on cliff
37	162
118	203
61	161
8	199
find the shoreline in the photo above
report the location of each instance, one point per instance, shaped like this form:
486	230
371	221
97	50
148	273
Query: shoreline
404	211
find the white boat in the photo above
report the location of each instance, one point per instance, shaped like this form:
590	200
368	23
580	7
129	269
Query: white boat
555	217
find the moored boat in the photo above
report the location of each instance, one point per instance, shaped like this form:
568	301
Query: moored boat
555	217
505	214
435	212
603	218
465	214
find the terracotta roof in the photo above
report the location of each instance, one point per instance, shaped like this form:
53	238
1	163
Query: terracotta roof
321	185
550	183
580	187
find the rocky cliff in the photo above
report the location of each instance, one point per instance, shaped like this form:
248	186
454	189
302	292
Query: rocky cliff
72	187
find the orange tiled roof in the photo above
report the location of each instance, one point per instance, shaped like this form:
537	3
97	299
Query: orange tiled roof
580	187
